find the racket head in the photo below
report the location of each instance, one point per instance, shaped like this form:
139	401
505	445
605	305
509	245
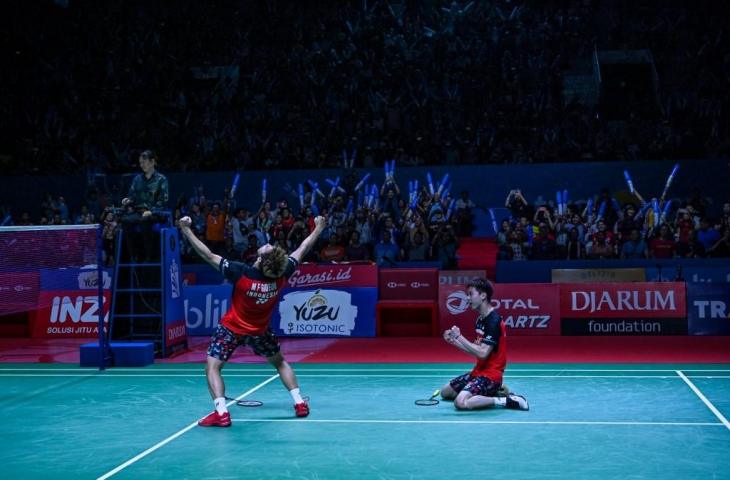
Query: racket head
426	402
249	403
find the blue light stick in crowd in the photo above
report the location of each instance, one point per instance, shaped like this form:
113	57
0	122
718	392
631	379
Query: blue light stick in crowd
414	202
263	190
616	205
430	182
385	167
392	168
655	207
315	209
669	181
565	201
494	220
443	183
602	209
665	212
374	193
450	209
301	195
234	185
589	208
362	182
643	210
559	200
349	208
628	181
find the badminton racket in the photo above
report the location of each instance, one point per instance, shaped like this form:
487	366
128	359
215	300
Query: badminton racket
429	402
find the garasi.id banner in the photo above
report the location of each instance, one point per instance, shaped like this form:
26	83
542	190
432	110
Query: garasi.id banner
623	308
68	303
326	312
334	276
527	309
708	309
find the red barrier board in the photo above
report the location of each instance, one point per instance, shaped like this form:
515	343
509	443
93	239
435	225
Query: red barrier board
623	300
336	275
527	309
68	314
408	283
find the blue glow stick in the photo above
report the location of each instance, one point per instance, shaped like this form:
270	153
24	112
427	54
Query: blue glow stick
410	188
235	185
559	200
602	209
628	181
385	167
655	208
315	209
362	182
565	201
494	220
616	205
349	208
301	195
415	186
643	210
450	209
667	206
414	201
344	158
315	188
392	168
443	183
589	208
373	193
430	182
669	180
263	190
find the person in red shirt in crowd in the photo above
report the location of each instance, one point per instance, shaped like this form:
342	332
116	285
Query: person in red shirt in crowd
256	290
662	246
333	252
480	388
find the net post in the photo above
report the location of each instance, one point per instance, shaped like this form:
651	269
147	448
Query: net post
100	292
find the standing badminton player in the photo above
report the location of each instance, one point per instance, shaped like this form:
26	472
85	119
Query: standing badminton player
256	290
479	388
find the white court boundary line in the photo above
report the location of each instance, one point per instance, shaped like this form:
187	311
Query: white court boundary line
301	367
478	422
353	375
177	434
709	404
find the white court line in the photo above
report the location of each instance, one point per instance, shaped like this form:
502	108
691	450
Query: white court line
364	375
477	422
704	399
300	367
175	435
356	375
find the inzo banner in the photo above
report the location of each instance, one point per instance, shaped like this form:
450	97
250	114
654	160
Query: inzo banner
623	309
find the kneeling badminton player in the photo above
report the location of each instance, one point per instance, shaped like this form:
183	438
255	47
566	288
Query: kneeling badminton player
256	290
480	388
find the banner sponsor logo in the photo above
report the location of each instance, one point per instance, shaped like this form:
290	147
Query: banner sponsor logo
709	309
460	277
334	275
623	300
319	312
205	311
175	333
527	309
69	314
597	275
89	279
616	326
174	279
408	283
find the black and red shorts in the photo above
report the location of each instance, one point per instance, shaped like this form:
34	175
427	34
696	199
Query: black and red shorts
224	342
483	386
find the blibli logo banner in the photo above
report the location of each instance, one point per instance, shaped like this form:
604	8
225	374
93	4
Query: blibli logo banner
326	312
204	307
708	309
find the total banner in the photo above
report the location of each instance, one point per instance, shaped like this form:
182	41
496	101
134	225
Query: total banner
652	308
708	309
68	303
527	309
408	283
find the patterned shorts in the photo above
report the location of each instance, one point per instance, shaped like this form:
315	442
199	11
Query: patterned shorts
224	342
475	385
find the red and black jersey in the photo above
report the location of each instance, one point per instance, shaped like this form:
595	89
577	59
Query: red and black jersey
254	296
491	330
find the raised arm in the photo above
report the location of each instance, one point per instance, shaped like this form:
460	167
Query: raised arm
200	248
308	243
